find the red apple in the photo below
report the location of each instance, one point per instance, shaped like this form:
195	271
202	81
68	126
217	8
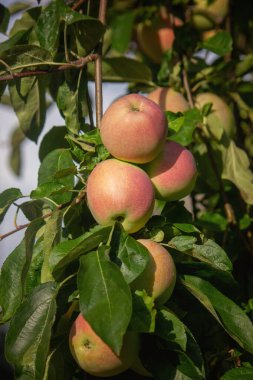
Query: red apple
156	36
120	191
221	117
133	129
159	277
94	356
169	99
173	172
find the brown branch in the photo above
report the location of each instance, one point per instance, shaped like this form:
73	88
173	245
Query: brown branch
78	64
77	4
98	67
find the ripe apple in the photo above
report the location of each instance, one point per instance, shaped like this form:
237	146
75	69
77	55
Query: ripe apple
133	129
159	277
173	172
120	191
169	99
221	118
94	356
156	36
206	16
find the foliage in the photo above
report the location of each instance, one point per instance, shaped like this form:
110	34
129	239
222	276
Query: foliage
65	262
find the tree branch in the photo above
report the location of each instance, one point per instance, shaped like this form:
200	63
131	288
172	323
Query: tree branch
78	64
98	67
75	201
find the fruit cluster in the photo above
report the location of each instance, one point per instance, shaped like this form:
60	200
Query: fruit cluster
145	166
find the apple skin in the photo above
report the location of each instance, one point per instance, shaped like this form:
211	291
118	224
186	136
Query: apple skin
221	116
159	277
133	129
206	17
173	172
169	99
94	356
156	36
120	191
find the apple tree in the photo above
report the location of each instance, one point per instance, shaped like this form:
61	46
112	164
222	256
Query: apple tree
194	59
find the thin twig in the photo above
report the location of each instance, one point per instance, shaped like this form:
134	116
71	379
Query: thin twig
77	4
66	66
98	67
75	201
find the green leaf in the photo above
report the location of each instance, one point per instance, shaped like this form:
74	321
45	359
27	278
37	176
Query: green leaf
14	271
28	337
55	161
27	21
186	227
245	65
122	27
53	139
233	319
209	252
144	312
182	243
105	298
4	18
28	54
242	373
212	221
213	254
71	100
7	197
32	209
28	101
131	256
170	328
49	190
181	128
219	278
70	250
221	43
88	31
122	69
237	170
48	24
19	37
52	236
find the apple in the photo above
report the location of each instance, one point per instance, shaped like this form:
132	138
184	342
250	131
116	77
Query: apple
94	356
173	172
169	99
221	118
133	129
120	191
159	277
156	36
206	16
